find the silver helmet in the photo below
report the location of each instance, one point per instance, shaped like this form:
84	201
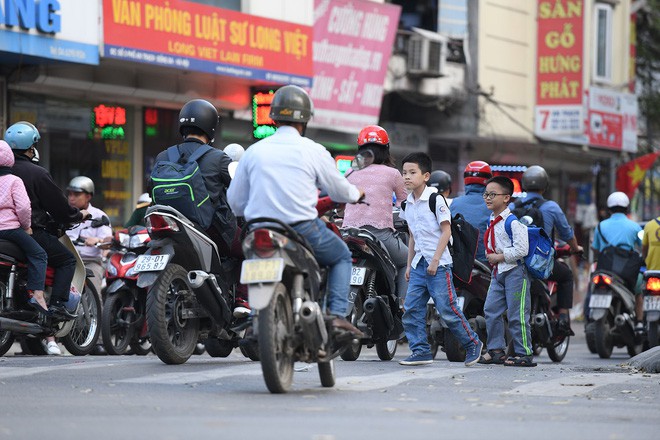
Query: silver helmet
81	184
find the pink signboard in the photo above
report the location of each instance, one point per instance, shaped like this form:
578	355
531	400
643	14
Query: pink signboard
351	49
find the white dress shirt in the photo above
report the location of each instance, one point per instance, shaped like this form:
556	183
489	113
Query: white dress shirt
85	230
513	251
278	178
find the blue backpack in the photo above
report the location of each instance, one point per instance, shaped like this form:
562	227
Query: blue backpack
541	257
180	185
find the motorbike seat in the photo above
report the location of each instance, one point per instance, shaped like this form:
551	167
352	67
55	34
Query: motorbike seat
366	234
11	251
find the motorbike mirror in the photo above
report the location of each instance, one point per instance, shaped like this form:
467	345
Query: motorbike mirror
98	222
362	160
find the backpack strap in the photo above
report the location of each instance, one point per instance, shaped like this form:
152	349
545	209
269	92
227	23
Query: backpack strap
507	226
173	154
433	202
403	205
607	243
199	152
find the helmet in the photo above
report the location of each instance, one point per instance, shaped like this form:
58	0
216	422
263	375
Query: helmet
618	200
234	151
200	114
144	198
81	184
22	135
440	180
534	179
292	104
477	172
373	134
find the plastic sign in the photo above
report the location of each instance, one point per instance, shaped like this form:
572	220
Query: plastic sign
28	14
263	125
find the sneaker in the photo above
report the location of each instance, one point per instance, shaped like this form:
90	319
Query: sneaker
639	328
53	349
473	353
418	359
241	308
341	324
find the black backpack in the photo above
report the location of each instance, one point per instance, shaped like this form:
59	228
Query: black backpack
464	242
530	208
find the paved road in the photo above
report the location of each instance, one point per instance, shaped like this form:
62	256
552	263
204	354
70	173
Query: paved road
100	397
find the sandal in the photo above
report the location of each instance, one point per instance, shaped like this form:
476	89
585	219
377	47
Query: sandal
493	357
520	361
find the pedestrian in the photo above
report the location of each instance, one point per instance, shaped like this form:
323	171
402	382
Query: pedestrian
509	287
429	267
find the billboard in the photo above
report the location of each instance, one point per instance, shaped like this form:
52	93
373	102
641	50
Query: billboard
612	120
193	36
352	47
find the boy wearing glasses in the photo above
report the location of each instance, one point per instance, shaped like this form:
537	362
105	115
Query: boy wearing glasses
509	286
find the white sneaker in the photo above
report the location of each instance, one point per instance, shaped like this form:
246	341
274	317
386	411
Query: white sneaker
53	349
241	312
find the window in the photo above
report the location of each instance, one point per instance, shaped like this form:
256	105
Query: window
602	70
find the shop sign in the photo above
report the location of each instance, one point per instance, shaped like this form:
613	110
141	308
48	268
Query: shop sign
192	36
63	30
560	49
352	46
612	120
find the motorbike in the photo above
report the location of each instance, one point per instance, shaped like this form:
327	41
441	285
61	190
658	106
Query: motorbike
19	320
191	289
373	304
652	306
124	323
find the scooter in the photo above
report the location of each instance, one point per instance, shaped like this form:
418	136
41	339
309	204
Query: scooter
652	306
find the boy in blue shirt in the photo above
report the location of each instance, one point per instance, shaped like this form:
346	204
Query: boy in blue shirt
429	267
509	287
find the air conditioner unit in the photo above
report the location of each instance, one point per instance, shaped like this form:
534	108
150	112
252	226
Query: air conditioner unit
427	54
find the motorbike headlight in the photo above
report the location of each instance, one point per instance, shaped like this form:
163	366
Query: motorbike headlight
124	239
131	272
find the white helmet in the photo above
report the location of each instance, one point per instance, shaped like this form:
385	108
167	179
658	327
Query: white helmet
234	151
144	198
618	199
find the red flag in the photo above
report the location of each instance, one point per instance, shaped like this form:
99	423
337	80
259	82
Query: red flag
630	174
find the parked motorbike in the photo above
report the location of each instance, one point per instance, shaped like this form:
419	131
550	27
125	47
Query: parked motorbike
652	306
373	304
124	322
19	319
191	288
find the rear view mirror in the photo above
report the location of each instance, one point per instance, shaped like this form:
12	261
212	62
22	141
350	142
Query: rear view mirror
362	160
98	222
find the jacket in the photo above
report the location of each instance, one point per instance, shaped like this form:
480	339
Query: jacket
15	211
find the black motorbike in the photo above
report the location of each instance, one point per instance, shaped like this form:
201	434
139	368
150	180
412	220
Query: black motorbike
652	306
373	304
191	288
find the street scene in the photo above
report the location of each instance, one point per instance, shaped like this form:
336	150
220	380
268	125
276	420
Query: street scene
330	219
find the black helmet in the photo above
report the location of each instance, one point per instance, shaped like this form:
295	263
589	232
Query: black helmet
292	104
440	180
200	114
534	179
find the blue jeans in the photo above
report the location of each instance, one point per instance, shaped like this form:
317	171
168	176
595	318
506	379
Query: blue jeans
331	251
34	253
441	288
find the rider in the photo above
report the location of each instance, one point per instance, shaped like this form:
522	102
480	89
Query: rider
48	202
471	205
197	123
278	177
535	182
619	230
379	181
441	180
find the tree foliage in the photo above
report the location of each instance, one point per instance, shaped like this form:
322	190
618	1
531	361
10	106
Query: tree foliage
648	68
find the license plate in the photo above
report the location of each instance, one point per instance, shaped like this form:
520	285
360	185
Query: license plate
357	276
151	263
262	271
651	303
600	301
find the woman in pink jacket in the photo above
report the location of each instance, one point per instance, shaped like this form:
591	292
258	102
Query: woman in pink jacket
15	226
379	181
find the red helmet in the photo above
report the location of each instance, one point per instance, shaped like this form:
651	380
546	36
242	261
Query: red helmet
373	134
477	172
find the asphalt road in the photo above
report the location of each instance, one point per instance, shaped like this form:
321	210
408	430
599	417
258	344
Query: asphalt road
102	397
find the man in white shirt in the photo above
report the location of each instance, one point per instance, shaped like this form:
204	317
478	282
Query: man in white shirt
278	177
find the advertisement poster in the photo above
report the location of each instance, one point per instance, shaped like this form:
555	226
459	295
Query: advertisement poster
560	48
612	119
352	47
192	36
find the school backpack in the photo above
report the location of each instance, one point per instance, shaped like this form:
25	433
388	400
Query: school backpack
530	208
463	243
540	260
179	183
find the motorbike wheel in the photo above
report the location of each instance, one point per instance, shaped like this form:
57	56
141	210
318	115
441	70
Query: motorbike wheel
433	340
590	336
218	347
80	341
327	373
275	335
141	344
6	341
353	351
653	334
557	349
173	337
34	346
117	325
251	349
386	350
453	348
603	337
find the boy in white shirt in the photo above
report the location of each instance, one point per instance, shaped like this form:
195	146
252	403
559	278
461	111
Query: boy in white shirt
509	286
429	267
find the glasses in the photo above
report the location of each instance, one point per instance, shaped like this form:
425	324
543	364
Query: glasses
491	196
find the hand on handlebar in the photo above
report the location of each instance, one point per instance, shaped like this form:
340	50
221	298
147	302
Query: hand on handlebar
361	199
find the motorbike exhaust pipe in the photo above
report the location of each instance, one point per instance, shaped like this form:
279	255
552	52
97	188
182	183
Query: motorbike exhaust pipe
539	319
196	278
209	294
21	327
622	319
379	315
311	319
